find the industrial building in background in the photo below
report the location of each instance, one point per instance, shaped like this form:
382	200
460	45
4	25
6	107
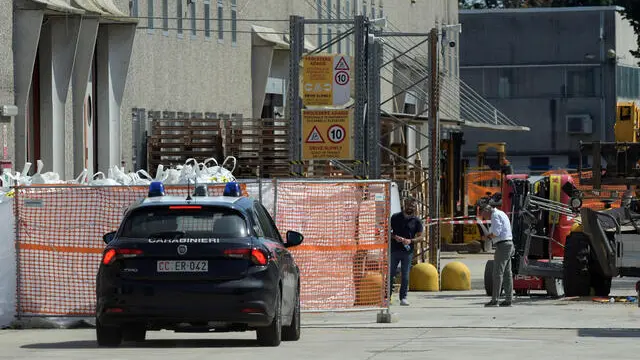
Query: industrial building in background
559	71
119	61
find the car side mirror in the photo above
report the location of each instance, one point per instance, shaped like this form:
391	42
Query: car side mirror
294	238
108	237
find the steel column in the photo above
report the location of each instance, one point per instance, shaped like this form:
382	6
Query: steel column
373	108
434	152
360	32
296	34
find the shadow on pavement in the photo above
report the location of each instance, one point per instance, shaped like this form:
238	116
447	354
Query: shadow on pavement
451	296
196	343
609	333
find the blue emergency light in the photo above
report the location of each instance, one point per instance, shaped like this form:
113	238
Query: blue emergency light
232	189
156	188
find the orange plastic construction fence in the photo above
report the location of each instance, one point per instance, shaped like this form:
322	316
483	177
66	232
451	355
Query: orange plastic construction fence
343	259
59	242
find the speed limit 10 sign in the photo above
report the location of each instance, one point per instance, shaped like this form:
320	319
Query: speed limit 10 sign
336	134
326	80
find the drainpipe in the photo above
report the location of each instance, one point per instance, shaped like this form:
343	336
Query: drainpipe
603	113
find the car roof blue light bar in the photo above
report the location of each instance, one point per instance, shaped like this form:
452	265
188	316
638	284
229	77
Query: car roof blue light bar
232	189
156	188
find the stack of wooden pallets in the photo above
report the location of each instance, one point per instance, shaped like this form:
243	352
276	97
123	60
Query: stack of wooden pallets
258	145
173	141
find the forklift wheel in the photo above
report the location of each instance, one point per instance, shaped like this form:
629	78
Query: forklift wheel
554	287
576	276
488	277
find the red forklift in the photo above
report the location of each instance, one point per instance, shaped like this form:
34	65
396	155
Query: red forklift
542	210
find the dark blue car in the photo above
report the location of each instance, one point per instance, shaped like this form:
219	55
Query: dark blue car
198	264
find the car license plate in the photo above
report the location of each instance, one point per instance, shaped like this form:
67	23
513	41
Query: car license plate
183	266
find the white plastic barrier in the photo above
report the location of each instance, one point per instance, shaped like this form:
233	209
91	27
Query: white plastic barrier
7	262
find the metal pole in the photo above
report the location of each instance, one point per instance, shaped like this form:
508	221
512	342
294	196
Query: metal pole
296	34
275	200
373	107
434	152
360	32
18	228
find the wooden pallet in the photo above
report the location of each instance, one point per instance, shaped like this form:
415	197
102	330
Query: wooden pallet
259	145
173	141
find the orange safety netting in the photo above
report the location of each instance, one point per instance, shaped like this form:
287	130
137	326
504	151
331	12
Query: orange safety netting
59	242
343	259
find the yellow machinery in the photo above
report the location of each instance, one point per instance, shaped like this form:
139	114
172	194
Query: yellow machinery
627	126
493	162
621	157
462	187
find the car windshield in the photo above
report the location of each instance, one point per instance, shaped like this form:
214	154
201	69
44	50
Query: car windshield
174	223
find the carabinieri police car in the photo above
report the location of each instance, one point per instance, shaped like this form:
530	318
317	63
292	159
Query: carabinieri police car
196	265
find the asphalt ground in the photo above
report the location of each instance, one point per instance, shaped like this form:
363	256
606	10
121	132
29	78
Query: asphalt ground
437	325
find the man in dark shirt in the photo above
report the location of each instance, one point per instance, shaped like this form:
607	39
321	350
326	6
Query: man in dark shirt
406	229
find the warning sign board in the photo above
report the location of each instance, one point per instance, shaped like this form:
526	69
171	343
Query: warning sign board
326	80
315	137
327	134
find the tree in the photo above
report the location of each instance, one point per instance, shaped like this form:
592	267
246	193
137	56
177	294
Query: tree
631	13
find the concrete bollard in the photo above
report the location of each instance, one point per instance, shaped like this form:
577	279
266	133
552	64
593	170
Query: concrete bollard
424	277
456	276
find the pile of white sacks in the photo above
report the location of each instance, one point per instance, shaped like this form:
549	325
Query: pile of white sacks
206	172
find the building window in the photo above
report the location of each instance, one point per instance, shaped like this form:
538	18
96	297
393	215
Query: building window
234	22
165	16
364	8
150	16
133	8
373	9
581	83
329	30
381	9
319	14
207	19
179	24
504	87
192	11
220	21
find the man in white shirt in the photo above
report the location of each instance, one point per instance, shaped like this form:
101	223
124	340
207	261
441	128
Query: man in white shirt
502	239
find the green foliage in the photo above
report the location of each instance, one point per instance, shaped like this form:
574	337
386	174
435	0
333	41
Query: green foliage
631	12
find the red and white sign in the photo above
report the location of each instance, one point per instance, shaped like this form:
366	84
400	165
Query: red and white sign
336	134
315	137
341	80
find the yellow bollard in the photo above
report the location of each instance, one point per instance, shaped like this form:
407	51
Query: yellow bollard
456	276
423	277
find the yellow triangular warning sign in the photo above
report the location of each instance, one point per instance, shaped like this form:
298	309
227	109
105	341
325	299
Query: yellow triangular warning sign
314	137
342	64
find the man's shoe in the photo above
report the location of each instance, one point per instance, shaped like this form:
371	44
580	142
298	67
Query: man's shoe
505	303
404	302
491	303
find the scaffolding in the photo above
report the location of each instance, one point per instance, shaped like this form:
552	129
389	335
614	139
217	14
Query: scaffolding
412	61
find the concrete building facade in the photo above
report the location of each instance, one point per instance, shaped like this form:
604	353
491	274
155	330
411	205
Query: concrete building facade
83	73
559	71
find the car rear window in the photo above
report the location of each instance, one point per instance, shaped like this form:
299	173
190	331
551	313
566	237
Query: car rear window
164	222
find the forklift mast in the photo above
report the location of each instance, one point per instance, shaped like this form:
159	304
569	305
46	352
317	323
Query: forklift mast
621	157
